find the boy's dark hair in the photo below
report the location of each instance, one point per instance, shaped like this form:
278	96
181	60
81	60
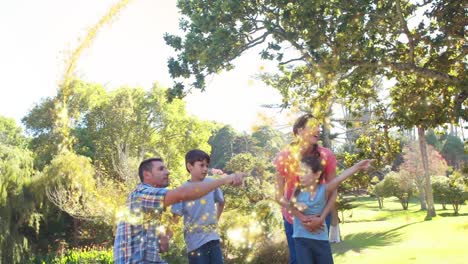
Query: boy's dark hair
146	165
196	155
301	122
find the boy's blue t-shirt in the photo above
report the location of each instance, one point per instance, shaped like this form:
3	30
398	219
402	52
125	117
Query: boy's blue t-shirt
200	218
314	206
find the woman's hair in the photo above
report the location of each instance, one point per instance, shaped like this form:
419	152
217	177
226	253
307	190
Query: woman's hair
301	122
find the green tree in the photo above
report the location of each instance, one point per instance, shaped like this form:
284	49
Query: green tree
344	204
19	217
433	139
380	190
457	192
244	162
222	149
358	33
400	186
112	132
11	134
453	151
414	169
423	103
440	185
268	142
39	124
321	45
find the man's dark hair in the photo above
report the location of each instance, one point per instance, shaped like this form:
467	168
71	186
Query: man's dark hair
301	122
196	155
146	165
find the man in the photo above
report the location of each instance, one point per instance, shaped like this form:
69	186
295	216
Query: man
136	239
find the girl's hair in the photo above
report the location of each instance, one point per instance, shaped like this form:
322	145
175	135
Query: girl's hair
314	162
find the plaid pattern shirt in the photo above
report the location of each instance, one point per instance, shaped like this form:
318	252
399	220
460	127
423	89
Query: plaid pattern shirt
136	239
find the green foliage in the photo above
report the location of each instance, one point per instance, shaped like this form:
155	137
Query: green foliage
400	186
344	204
112	132
241	162
413	168
72	186
11	134
268	141
120	128
451	190
453	151
380	189
19	217
359	180
338	46
222	148
76	256
456	196
244	231
432	139
423	102
440	186
39	124
377	145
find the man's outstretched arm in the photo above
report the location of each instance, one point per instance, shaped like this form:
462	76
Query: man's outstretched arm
196	190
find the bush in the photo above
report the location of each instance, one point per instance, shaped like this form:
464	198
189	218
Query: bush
450	191
76	256
400	186
440	188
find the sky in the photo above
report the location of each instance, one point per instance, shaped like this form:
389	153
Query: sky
38	36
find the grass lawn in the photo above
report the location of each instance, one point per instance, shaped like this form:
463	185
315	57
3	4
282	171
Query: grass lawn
392	235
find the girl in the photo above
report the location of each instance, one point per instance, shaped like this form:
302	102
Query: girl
310	198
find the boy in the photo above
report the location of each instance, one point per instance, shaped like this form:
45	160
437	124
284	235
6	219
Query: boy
201	215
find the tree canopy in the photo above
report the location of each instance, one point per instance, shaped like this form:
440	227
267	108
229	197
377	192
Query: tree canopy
325	42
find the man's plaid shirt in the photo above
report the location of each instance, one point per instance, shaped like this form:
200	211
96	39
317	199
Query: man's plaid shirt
136	239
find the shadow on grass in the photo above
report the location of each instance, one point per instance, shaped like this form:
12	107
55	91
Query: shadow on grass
386	214
452	214
360	241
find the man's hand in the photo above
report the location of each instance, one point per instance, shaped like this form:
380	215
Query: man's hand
313	223
364	164
235	179
163	243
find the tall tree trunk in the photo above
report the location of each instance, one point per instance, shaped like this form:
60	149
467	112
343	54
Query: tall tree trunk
380	200
76	231
429	197
387	145
422	193
326	127
326	136
462	129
